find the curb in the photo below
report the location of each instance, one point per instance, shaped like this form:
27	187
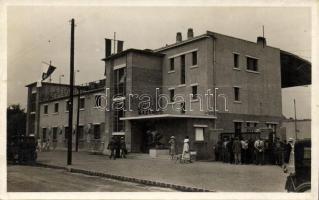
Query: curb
126	178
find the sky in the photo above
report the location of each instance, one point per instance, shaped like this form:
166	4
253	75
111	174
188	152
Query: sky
30	28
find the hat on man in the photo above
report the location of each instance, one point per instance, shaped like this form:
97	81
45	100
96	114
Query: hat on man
290	140
173	137
186	140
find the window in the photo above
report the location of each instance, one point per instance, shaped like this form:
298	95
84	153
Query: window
171	65
45	110
194	58
237	128
236	94
67	106
194	91
98	100
236	60
66	132
119	81
199	134
118	125
171	95
44	134
56	107
82	103
272	126
81	133
183	110
96	131
55	134
252	64
183	69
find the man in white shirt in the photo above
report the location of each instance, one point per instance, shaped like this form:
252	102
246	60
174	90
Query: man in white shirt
259	149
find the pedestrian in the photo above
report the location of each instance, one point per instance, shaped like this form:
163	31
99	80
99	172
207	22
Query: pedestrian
112	147
259	147
230	151
225	150
288	148
123	147
186	151
172	147
237	151
244	151
220	150
278	152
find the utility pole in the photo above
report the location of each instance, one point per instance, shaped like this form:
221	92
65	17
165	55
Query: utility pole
69	157
114	42
295	119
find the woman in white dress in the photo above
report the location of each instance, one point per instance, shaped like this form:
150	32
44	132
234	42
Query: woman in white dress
186	157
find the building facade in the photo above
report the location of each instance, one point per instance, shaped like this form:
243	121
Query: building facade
201	87
48	113
205	87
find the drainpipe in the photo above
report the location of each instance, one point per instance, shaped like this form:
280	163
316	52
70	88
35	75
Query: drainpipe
214	72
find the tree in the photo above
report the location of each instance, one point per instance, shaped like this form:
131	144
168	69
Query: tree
16	120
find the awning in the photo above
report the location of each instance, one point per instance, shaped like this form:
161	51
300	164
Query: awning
161	116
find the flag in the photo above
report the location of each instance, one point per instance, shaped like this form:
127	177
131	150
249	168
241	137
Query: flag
120	46
50	70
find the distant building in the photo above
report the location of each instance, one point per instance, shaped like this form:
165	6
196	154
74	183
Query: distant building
289	129
47	114
205	87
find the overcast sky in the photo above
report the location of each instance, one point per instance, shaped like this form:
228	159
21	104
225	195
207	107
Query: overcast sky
31	27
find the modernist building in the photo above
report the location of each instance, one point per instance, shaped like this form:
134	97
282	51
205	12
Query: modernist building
244	78
204	87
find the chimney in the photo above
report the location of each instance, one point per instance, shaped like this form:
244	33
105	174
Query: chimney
178	37
190	33
261	41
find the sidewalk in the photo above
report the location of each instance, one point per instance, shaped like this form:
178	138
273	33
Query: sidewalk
212	176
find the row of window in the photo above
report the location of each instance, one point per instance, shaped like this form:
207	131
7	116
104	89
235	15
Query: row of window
251	63
194	93
96	133
82	105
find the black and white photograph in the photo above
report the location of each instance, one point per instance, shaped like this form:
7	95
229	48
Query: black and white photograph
158	100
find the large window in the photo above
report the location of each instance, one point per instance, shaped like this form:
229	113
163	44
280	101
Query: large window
98	100
236	60
45	109
237	128
56	107
67	106
81	133
183	69
118	125
199	134
119	80
194	92
236	94
252	64
44	134
194	58
183	109
55	134
82	103
171	95
97	131
171	64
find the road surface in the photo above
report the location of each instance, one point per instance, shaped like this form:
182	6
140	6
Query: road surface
38	179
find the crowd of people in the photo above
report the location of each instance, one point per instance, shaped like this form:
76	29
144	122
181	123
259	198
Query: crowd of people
248	151
117	147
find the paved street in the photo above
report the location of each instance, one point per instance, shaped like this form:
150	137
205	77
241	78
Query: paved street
38	179
213	176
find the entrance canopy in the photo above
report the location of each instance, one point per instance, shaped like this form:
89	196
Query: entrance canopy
295	71
159	116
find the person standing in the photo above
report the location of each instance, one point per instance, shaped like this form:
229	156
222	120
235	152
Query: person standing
237	151
186	157
278	152
244	151
259	146
230	151
172	147
123	147
225	151
112	147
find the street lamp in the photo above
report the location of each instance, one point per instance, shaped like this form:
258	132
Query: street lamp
60	77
